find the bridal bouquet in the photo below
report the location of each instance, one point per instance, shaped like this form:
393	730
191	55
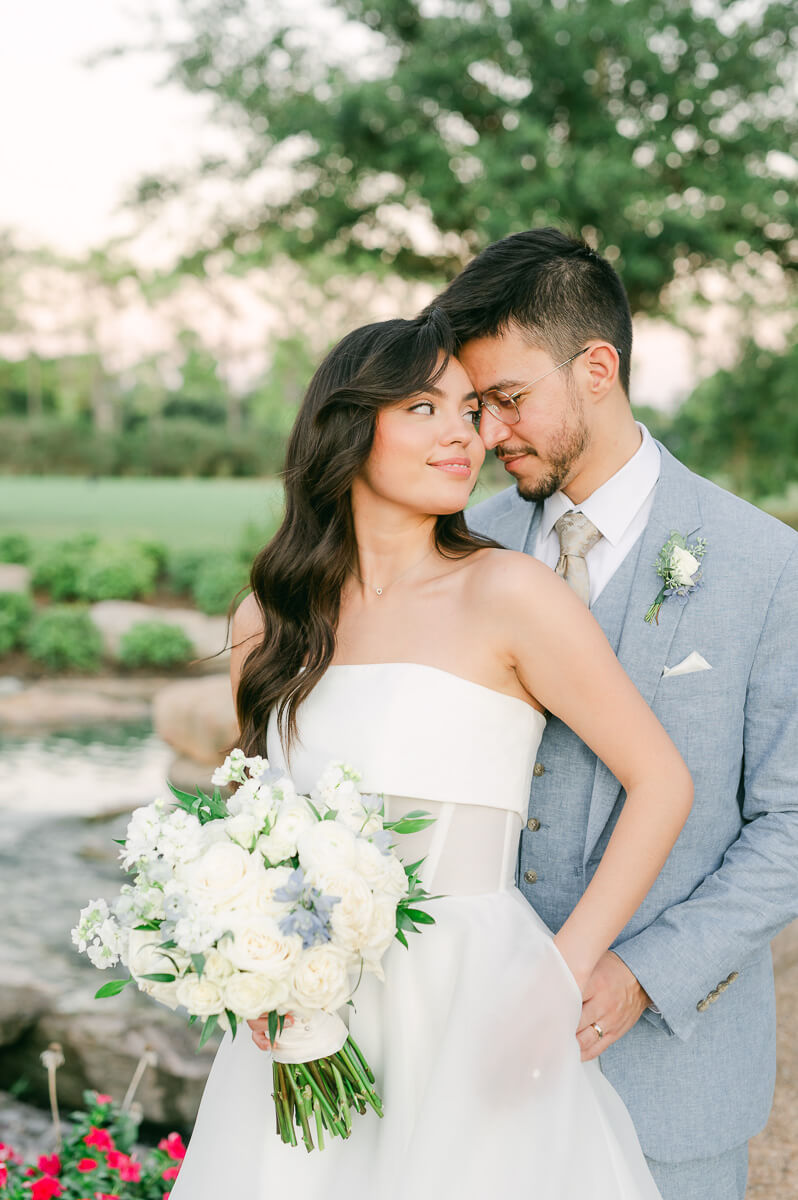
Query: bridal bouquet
265	902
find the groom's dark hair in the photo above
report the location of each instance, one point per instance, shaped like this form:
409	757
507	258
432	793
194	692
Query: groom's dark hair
552	288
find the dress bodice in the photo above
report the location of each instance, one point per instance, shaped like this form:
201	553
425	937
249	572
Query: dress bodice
417	733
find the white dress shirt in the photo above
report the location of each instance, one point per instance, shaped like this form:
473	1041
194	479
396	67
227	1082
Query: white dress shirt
619	509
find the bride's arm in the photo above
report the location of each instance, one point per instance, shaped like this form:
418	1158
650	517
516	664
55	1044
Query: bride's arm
564	661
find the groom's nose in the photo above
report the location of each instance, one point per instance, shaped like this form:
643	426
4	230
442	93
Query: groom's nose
492	430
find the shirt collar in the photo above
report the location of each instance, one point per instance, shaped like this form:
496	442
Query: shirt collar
614	505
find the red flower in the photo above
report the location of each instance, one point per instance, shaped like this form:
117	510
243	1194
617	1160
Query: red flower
170	1173
49	1164
106	1196
3	1174
100	1138
173	1145
87	1164
101	1098
45	1188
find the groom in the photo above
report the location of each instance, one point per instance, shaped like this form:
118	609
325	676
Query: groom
681	1010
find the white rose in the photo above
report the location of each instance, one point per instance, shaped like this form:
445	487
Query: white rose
223	876
683	566
248	996
243	828
293	819
322	978
351	916
145	958
217	969
272	879
258	944
201	997
327	845
380	934
382	872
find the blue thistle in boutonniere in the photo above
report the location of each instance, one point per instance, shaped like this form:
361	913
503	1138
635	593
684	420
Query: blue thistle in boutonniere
679	567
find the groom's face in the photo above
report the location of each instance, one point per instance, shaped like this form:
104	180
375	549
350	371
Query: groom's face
544	450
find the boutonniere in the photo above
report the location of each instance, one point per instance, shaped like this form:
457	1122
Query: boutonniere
679	567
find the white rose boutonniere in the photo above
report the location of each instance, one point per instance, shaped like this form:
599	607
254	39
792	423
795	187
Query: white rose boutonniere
679	567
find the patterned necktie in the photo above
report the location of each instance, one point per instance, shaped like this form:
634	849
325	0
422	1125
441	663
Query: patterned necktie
577	535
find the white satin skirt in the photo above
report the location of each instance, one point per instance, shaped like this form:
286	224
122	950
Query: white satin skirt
472	1041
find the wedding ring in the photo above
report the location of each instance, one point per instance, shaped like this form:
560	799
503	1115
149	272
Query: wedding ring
597	1028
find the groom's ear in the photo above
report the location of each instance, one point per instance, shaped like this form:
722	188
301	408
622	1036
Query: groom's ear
600	366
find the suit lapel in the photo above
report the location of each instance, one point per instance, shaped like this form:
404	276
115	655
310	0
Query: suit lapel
519	525
643	649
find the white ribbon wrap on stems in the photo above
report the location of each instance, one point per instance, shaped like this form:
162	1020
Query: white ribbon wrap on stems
312	1037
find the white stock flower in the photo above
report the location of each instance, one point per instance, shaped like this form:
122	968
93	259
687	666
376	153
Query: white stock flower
196	932
322	978
294	817
142	834
383	872
89	920
181	837
231	770
258	944
201	997
683	566
352	915
249	996
108	943
222	877
326	845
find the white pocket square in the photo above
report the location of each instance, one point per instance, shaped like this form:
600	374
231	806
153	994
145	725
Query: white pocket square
693	662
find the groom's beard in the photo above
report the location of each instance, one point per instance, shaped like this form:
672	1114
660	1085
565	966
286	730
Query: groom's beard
568	447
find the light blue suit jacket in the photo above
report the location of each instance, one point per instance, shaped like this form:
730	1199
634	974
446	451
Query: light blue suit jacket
699	1078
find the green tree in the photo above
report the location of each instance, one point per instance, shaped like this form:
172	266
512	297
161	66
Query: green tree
741	426
423	129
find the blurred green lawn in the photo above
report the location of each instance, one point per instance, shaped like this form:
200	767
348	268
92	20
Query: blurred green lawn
194	513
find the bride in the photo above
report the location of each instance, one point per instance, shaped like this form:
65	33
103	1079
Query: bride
381	632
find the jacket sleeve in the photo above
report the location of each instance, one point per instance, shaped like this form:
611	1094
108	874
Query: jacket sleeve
693	951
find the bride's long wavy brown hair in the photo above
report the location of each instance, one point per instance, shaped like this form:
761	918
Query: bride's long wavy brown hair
298	577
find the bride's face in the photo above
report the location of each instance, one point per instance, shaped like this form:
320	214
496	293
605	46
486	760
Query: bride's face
427	451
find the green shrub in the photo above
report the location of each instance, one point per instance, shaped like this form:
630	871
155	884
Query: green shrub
217	581
116	572
155	644
15	548
254	536
183	566
157	551
63	637
16	609
56	567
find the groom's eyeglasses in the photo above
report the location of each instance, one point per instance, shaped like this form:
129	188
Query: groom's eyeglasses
504	406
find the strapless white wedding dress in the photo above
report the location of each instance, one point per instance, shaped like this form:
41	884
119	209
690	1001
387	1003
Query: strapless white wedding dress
472	1035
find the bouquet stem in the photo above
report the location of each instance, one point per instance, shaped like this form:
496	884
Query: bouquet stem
323	1091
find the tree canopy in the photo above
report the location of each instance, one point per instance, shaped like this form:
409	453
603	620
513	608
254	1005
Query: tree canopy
410	133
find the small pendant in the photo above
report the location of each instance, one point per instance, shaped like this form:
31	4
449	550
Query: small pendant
378	591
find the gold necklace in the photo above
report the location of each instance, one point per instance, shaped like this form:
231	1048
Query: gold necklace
380	590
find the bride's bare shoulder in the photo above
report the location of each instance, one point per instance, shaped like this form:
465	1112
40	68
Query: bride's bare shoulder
510	575
246	633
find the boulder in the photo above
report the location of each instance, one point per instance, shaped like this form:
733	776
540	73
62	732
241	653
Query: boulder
56	704
14	577
197	718
23	999
113	618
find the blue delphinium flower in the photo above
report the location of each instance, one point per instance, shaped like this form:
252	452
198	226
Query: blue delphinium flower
293	887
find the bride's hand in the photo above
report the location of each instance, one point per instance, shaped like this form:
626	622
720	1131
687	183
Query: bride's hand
260	1030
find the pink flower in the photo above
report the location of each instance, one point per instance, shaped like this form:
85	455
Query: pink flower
130	1172
49	1164
3	1174
170	1173
7	1154
100	1138
45	1188
106	1196
173	1145
87	1164
101	1098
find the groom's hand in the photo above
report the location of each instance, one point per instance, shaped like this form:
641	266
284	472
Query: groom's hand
614	1000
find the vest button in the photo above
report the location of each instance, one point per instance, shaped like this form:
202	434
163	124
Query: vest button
538	770
531	876
534	824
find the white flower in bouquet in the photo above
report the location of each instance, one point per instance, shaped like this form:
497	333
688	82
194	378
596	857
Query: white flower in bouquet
250	996
201	997
182	838
195	932
99	935
351	917
272	879
223	877
232	769
243	828
257	944
323	977
144	957
217	968
294	817
382	872
327	845
142	835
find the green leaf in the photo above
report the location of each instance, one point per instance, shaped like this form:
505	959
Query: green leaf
233	1019
184	797
112	988
419	916
119	841
159	977
210	1024
407	826
170	945
330	815
199	963
149	925
272	1026
403	921
313	808
400	937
